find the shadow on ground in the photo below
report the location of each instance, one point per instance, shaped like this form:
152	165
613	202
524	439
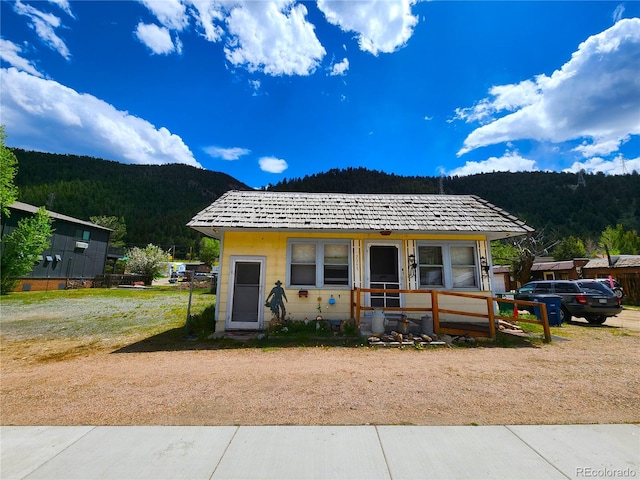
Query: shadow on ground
169	341
177	340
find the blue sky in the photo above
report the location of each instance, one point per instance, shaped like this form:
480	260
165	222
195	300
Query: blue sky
266	90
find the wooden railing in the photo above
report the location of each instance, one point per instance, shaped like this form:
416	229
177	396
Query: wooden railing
433	307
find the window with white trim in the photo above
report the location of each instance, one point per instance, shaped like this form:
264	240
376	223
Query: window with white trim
318	263
448	265
430	266
303	264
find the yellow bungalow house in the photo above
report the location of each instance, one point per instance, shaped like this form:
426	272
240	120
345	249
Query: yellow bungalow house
319	254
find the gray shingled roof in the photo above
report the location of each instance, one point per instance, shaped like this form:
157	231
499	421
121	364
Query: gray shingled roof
348	212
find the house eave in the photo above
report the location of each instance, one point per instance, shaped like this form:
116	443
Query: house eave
217	232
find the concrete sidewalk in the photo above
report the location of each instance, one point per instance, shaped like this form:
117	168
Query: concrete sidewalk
332	452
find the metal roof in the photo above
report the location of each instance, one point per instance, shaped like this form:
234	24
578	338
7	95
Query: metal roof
551	266
618	261
25	207
261	210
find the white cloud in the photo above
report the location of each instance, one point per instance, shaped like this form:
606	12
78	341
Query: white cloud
381	25
170	13
600	148
233	153
617	13
209	17
64	6
272	37
341	67
44	23
44	115
509	162
617	166
157	39
10	53
255	86
594	96
272	164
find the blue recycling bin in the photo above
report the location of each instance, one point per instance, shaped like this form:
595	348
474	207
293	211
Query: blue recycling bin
553	304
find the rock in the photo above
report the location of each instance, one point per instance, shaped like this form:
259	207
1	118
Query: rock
426	338
448	339
373	338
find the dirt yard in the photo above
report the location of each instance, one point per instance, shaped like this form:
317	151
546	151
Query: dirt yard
592	377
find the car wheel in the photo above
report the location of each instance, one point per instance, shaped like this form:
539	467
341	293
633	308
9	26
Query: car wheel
599	320
565	316
618	292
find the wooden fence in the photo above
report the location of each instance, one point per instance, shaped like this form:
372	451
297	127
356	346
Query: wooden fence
488	316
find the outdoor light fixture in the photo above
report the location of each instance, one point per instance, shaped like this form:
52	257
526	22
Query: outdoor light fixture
412	265
484	265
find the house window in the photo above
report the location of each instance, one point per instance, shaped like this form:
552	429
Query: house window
336	264
85	235
318	263
463	267
303	264
431	266
448	265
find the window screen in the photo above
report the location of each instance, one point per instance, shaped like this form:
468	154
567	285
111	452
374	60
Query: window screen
303	264
431	266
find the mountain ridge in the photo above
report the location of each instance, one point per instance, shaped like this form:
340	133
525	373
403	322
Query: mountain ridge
157	201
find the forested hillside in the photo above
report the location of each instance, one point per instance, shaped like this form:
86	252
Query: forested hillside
550	201
157	201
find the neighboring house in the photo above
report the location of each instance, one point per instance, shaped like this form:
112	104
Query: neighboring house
623	268
77	251
315	248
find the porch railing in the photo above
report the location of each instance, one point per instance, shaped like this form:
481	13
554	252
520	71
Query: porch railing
432	305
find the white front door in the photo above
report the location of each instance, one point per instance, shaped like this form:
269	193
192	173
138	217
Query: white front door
383	271
246	295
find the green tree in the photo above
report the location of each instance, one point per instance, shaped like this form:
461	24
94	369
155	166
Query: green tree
209	251
117	224
569	248
21	248
149	260
618	241
8	171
